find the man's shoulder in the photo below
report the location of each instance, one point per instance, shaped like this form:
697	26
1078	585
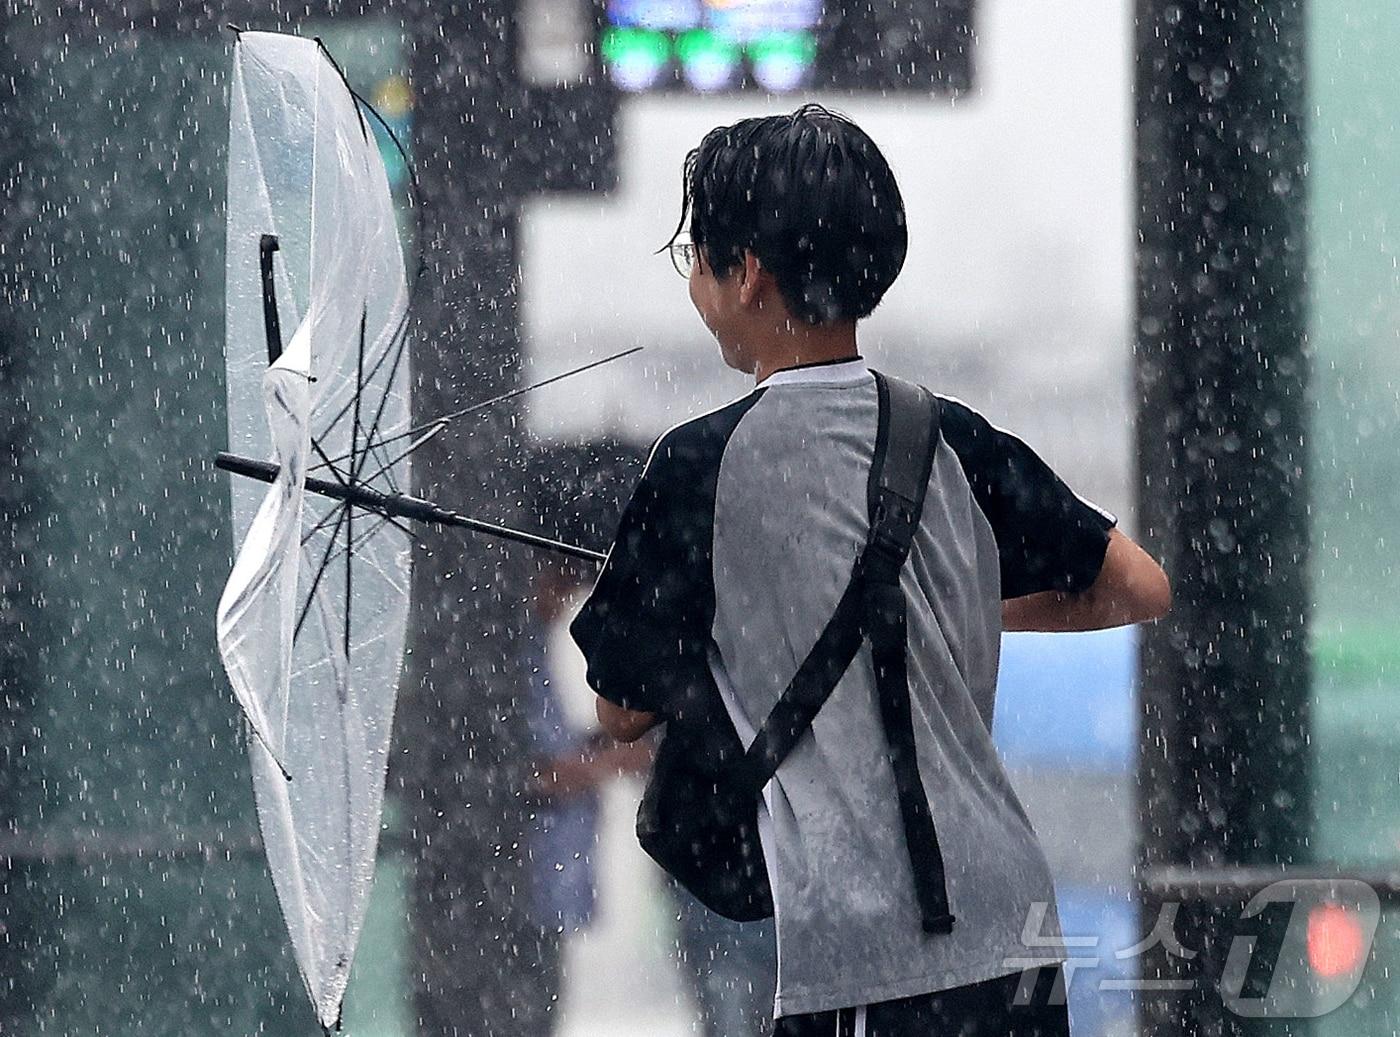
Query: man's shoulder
987	454
959	417
977	443
959	421
698	443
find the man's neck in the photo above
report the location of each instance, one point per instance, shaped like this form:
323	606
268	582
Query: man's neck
800	346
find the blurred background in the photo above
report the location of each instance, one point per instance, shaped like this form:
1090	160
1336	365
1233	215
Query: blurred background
1157	240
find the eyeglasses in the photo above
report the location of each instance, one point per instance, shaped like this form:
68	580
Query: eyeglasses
683	257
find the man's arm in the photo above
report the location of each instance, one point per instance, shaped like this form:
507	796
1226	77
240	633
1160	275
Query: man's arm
1130	588
644	629
583	770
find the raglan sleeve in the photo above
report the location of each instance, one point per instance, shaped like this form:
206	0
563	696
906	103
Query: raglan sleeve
644	630
1048	537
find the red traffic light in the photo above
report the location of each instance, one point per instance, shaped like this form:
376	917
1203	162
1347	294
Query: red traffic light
1337	943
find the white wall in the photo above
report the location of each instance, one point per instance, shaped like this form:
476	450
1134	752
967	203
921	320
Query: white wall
1017	291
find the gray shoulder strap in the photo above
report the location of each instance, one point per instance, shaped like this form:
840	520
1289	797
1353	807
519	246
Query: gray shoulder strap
907	440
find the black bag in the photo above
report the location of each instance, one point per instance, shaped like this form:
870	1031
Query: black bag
699	815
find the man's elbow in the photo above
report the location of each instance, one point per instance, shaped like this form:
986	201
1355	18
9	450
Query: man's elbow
1155	600
1146	593
1133	586
624	725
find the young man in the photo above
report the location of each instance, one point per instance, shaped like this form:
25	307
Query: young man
741	538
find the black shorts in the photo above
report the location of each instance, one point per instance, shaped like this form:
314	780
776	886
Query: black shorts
989	1009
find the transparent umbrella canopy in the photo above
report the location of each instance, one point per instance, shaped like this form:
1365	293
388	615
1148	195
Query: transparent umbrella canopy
312	622
311	625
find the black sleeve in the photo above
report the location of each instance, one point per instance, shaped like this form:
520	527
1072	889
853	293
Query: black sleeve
1048	537
645	628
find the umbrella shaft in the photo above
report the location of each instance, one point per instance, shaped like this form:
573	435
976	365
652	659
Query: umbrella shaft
400	505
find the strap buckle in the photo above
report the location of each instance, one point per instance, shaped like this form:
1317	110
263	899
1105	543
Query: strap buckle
890	537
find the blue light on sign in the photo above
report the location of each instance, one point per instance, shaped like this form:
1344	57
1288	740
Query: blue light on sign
674	15
745	20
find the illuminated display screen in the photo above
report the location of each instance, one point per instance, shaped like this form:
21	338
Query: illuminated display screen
710	45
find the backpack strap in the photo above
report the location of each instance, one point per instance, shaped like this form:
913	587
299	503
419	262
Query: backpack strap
873	606
897	503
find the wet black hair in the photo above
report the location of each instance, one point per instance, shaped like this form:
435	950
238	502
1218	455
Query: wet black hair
812	197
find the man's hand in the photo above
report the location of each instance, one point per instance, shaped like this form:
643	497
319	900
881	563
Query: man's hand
1130	588
626	725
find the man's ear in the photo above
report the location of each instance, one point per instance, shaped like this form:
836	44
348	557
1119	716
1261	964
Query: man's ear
751	275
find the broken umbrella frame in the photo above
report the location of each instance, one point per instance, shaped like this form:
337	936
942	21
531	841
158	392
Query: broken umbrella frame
307	184
349	485
352	488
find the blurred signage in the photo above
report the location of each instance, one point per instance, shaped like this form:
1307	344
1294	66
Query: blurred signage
711	45
393	100
779	46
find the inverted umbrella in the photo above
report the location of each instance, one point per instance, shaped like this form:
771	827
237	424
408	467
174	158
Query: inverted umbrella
312	623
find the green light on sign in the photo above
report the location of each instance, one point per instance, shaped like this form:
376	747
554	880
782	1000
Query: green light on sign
798	47
781	60
635	57
710	60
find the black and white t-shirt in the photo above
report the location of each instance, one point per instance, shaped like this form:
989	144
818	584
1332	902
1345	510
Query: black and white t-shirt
728	562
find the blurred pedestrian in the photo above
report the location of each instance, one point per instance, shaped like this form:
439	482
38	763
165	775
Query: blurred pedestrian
732	968
573	761
729	967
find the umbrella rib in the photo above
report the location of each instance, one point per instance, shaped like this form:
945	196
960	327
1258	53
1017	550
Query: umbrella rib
400	333
397	344
320	570
445	419
335	472
454	415
388	385
321	526
357	464
369	534
388	466
376	448
349	570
